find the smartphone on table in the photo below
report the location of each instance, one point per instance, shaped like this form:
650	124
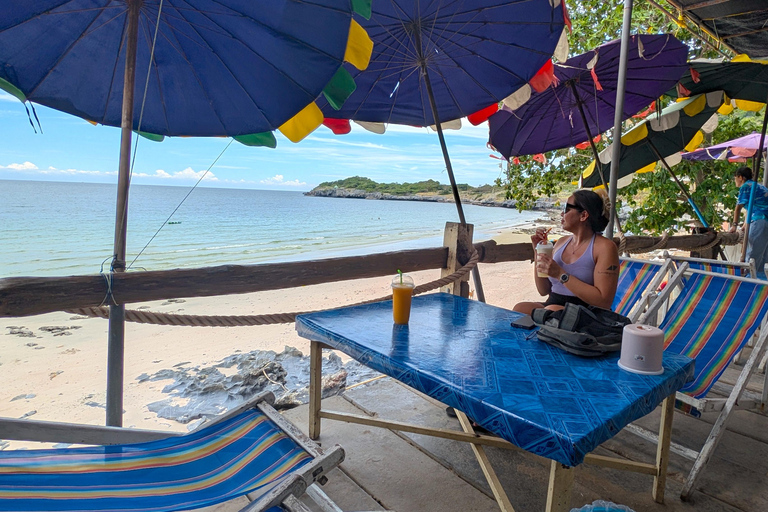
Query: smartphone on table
524	322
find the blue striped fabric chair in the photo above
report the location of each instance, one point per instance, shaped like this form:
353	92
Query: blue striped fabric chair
638	281
711	319
253	451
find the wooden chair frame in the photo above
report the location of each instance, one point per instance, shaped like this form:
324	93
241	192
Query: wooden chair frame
737	396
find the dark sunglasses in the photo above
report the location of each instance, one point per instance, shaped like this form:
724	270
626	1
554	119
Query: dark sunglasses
568	206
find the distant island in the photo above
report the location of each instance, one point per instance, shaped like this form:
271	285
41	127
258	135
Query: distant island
358	187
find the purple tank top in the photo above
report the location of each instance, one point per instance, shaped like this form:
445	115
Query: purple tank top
582	269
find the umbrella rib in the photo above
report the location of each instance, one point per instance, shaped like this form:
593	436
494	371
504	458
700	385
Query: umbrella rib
71	45
145	30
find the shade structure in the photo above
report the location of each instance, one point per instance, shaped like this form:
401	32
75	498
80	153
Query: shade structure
743	80
581	102
475	53
220	68
738	149
661	136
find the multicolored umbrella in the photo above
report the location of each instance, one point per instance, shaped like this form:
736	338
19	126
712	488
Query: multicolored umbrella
436	61
200	67
661	138
735	150
218	68
741	79
582	100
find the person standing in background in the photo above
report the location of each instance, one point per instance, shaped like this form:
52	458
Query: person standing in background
757	245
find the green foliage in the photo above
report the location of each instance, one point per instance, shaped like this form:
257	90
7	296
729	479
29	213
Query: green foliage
400	189
657	203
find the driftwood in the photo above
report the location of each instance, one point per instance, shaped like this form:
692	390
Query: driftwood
24	296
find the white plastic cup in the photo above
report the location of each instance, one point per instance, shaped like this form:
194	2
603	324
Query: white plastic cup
544	248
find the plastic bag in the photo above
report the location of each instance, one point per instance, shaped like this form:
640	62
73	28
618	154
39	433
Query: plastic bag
603	506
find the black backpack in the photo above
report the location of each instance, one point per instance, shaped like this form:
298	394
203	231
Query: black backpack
587	331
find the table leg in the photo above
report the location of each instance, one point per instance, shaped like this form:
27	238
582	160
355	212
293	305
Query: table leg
560	486
490	475
662	448
315	387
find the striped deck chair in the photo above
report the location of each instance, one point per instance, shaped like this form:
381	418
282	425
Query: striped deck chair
734	268
638	282
253	451
711	319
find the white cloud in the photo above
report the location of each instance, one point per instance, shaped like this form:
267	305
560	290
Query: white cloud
279	179
186	175
26	166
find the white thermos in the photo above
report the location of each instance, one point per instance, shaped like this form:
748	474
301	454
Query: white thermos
642	349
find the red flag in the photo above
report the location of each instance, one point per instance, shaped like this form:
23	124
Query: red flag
543	77
566	18
682	91
695	76
483	115
338	126
594	78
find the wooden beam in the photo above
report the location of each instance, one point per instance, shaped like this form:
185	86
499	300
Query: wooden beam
58	432
24	296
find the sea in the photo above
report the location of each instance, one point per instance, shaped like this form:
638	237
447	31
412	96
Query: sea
59	228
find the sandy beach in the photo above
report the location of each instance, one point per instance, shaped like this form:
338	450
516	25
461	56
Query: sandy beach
54	365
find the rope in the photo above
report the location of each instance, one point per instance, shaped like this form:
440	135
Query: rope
148	317
661	244
714	242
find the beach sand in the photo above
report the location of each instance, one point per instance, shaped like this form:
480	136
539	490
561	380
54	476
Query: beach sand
54	367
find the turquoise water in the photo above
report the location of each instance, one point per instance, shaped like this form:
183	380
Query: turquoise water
52	228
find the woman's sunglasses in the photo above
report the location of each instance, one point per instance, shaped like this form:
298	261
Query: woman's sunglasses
569	206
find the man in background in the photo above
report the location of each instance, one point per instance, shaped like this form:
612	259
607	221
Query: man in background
757	246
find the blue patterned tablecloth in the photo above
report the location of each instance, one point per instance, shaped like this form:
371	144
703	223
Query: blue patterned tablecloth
465	354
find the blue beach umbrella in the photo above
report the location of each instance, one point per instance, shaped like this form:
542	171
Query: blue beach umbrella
226	68
198	68
440	60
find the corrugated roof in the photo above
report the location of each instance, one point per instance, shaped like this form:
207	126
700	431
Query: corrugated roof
742	25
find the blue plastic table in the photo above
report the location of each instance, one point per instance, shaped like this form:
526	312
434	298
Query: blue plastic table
465	354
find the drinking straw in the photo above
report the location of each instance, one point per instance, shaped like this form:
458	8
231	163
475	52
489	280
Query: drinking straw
401	275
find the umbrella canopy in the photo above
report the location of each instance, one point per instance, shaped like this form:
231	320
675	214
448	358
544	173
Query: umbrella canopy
663	136
743	80
474	53
218	68
735	150
582	100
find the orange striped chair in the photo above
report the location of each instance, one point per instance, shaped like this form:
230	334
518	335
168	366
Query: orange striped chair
711	320
251	451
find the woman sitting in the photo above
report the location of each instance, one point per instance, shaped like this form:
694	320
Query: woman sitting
584	268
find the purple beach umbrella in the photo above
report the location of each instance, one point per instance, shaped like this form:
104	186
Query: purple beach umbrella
581	101
735	150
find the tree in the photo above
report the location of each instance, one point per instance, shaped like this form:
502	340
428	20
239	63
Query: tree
657	204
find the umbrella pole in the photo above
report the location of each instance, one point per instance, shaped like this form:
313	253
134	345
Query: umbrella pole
449	167
765	180
679	184
116	340
589	136
620	88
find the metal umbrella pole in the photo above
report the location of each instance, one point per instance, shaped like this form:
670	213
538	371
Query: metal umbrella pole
449	167
684	191
620	88
765	181
116	338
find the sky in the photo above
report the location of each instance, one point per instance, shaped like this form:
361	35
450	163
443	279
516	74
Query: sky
70	149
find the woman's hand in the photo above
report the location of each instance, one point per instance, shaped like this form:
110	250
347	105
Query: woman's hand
540	236
545	264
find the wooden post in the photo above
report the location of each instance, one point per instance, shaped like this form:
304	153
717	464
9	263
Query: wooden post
458	239
315	387
560	486
662	448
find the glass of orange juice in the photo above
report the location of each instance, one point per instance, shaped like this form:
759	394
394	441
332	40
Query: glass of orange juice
402	292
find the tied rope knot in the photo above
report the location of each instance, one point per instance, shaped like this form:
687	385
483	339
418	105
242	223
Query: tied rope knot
148	317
